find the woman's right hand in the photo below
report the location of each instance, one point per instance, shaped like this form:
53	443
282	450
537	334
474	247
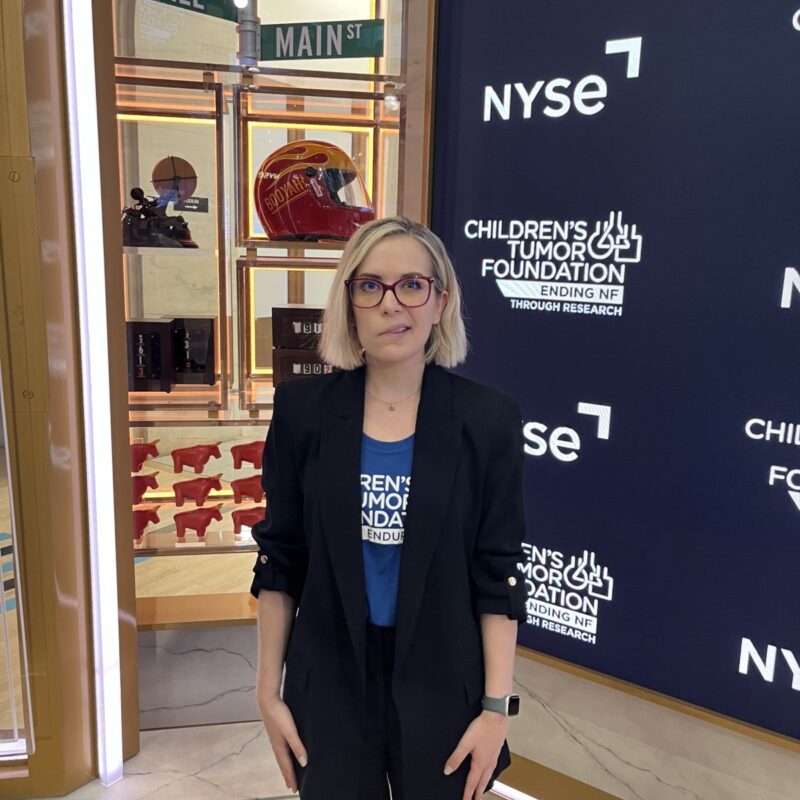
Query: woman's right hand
283	737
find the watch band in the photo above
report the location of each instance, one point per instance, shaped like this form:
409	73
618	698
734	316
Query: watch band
508	705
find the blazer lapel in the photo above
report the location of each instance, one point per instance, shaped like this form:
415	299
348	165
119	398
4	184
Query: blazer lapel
434	462
437	441
339	491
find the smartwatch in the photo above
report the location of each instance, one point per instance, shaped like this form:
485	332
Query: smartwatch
508	705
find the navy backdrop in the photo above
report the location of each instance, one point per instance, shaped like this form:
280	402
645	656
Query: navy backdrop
663	514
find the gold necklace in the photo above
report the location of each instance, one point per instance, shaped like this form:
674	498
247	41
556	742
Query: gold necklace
392	403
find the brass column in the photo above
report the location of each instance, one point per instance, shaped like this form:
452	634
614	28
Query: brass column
40	357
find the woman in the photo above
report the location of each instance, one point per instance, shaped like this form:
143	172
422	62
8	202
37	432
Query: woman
405	632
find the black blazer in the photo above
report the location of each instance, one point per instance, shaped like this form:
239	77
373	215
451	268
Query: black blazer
464	528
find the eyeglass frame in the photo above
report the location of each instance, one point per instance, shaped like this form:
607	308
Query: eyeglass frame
385	287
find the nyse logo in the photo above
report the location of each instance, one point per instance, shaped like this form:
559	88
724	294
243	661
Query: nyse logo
791	282
563	442
767	664
586	96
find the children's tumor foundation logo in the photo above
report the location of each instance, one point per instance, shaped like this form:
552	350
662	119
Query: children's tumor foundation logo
565	595
568	266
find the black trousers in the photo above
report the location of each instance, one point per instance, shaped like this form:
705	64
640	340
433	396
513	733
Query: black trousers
380	756
380	774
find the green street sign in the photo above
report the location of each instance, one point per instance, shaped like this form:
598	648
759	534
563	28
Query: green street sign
222	9
361	38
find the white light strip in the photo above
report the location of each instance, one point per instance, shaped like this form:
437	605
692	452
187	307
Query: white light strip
13	749
89	257
501	790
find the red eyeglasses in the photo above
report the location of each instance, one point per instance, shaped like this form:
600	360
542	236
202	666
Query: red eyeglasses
410	292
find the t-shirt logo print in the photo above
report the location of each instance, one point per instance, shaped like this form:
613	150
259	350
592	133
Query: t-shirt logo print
385	485
383	507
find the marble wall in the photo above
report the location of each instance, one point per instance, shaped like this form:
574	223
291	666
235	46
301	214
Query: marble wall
197	676
635	749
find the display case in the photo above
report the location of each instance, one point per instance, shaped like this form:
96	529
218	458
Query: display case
211	300
172	152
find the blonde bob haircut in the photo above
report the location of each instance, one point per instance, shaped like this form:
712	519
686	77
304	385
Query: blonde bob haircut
339	344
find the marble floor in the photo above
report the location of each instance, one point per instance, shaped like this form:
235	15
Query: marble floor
213	762
206	763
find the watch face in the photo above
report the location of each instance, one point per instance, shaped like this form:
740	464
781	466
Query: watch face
513	705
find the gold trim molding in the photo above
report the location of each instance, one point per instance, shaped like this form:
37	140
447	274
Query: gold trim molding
544	783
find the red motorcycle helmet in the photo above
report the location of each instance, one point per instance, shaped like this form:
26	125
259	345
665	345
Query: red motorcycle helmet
309	190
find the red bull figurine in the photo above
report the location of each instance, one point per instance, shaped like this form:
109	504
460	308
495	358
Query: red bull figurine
196	489
197	520
196	456
141	451
252	452
142	518
141	483
248	487
247	516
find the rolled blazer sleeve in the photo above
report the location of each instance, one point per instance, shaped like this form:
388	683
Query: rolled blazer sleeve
282	559
497	583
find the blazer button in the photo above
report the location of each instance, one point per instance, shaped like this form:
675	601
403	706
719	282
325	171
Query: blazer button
512	581
264	559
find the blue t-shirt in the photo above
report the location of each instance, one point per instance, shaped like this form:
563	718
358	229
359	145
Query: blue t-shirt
385	480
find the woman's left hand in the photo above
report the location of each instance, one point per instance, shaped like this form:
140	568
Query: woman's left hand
482	740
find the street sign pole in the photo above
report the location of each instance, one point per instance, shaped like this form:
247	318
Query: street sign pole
249	29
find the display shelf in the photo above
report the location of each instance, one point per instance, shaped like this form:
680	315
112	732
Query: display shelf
269	116
256	344
263	243
258	387
159	119
162	401
156	544
300	264
169	251
183	398
217	472
157	67
257	419
195	611
222	497
234	416
258	395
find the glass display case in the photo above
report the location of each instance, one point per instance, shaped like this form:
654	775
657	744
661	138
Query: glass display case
204	283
